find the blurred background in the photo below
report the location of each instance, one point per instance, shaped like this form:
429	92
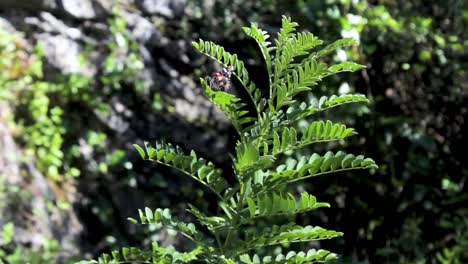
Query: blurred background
82	80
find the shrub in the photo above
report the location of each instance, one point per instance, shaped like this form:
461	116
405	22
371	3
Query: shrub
269	136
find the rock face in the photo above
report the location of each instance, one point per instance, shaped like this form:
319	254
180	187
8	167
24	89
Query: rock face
67	30
29	4
61	52
166	8
35	221
82	9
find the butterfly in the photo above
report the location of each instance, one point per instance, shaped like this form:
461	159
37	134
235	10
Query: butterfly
221	81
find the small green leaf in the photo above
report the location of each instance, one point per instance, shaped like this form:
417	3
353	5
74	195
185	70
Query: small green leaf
126	253
133	220
252	207
140	151
149	214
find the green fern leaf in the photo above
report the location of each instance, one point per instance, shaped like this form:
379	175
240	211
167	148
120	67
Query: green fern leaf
341	43
261	38
311	256
288	28
346	66
318	165
213	223
316	132
302	111
289	233
162	218
197	168
306	75
281	203
297	45
248	159
156	255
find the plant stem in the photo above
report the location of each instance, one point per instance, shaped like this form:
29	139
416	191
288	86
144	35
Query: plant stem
235	220
218	240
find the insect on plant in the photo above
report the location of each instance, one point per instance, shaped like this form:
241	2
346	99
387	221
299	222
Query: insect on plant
221	81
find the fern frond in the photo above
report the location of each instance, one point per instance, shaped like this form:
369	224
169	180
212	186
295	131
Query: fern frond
197	168
211	222
156	255
248	159
261	37
291	79
289	45
296	46
288	28
225	58
163	218
301	79
260	132
345	66
301	111
289	233
316	165
286	139
281	203
306	75
292	257
338	44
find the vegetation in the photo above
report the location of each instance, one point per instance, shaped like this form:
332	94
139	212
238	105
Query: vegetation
264	136
77	130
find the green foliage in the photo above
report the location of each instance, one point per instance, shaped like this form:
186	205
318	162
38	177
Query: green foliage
18	254
157	254
292	257
43	120
416	57
42	105
8	231
226	59
43	129
123	61
261	37
264	139
231	105
199	169
415	52
325	103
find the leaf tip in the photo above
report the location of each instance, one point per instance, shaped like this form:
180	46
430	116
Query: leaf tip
140	151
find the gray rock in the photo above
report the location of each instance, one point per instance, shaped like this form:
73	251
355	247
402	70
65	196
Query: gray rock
64	30
160	7
61	52
30	4
142	29
6	26
148	78
49	23
48	223
83	9
107	5
167	8
61	27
